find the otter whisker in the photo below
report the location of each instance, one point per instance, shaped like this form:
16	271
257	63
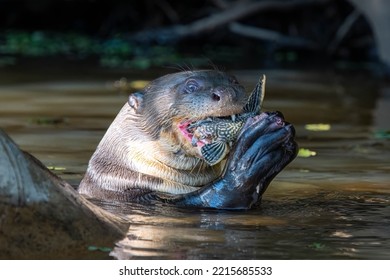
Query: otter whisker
196	166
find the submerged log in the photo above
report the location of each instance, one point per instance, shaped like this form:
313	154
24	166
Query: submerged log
43	217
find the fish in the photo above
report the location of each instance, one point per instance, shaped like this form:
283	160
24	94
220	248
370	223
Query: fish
219	134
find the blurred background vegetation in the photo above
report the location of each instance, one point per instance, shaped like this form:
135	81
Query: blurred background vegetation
313	34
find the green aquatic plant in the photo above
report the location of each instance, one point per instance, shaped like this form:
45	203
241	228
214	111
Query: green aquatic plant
317	246
382	134
115	51
39	43
98	248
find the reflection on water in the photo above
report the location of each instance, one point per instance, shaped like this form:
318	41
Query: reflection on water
326	225
335	205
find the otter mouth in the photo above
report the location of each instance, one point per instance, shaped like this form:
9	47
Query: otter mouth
188	132
214	134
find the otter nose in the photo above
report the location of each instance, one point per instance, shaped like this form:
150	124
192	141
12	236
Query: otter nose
223	94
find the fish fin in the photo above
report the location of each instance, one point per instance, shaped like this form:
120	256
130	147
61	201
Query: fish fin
255	100
194	141
214	152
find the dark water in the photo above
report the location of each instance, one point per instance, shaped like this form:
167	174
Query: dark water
334	205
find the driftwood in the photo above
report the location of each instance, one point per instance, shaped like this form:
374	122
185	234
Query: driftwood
43	217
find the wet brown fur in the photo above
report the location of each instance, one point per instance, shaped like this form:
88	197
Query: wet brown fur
143	149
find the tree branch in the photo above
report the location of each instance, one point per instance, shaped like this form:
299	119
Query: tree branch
343	30
233	13
270	35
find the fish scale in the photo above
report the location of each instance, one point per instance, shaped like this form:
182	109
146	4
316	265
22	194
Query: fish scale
220	133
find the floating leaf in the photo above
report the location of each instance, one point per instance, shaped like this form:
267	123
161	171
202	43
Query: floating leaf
139	84
124	85
305	153
304	170
317	126
56	168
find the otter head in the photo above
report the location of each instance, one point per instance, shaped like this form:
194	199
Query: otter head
168	105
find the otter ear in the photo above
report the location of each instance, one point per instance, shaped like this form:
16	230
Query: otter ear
135	100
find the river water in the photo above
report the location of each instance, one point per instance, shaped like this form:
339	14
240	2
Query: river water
333	202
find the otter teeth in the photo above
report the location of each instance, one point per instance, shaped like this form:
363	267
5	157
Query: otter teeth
233	117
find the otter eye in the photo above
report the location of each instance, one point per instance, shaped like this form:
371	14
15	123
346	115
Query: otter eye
191	86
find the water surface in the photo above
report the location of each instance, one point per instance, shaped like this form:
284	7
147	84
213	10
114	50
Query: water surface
334	205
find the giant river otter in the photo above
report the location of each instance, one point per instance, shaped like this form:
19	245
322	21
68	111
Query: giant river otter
146	154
